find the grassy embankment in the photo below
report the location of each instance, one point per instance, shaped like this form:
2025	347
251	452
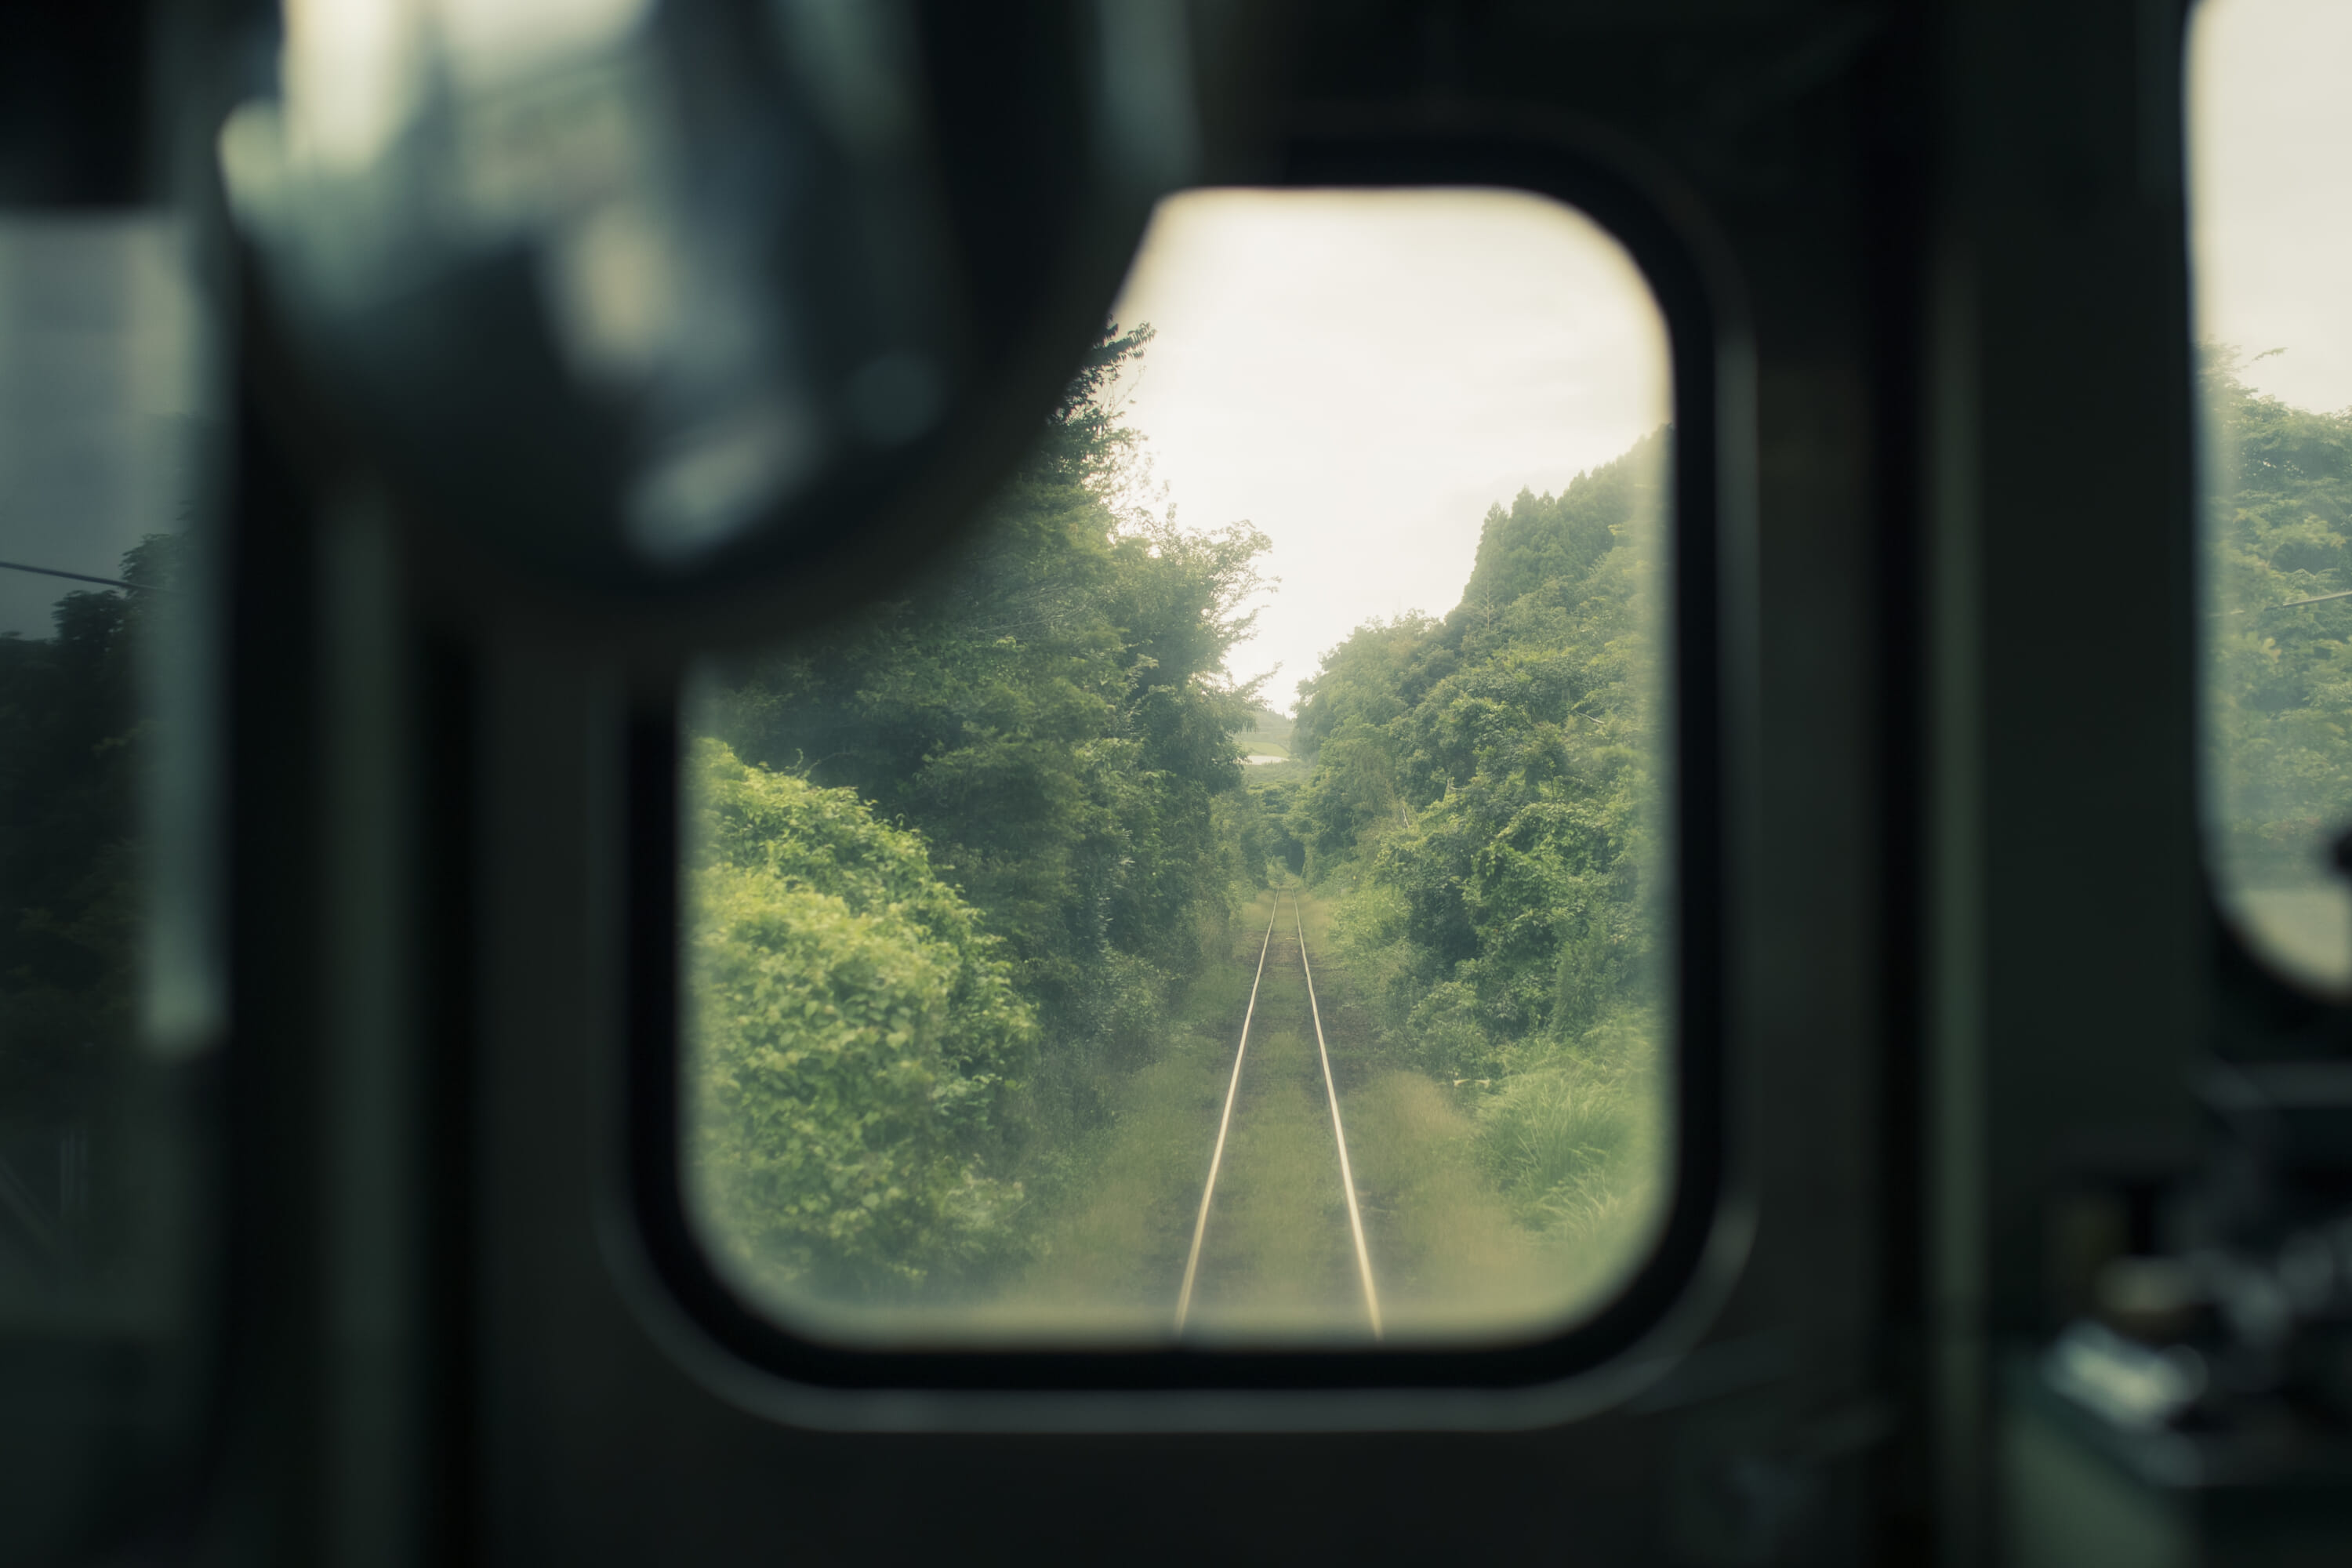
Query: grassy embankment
1447	1255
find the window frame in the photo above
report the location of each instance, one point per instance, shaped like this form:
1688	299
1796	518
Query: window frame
2263	1009
1709	350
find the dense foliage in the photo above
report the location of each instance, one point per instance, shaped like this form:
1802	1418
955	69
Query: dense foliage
1486	799
2279	672
1047	724
71	893
962	851
853	1039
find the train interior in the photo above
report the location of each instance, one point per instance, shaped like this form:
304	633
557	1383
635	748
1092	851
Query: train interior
1156	781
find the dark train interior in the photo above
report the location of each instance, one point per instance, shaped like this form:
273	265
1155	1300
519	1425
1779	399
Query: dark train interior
766	794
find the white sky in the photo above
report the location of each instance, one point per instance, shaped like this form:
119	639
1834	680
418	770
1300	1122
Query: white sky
2271	178
1361	374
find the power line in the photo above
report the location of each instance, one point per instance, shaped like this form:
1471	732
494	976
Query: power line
76	576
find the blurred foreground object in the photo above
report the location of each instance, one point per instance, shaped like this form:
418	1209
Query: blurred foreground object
644	299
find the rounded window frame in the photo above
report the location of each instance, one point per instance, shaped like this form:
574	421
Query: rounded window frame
2263	1009
1706	342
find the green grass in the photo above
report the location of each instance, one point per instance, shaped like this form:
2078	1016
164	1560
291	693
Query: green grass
1445	1175
1112	1234
1289	769
1581	1153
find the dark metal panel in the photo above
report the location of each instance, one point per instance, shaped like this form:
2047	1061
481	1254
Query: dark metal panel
2092	970
2070	984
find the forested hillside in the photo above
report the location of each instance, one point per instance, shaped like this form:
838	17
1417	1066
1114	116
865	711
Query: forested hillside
1486	801
2279	672
1043	734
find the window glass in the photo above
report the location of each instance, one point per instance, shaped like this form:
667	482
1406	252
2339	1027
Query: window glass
1228	900
103	819
2271	192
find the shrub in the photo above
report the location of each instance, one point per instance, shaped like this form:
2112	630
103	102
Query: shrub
852	1043
1574	1145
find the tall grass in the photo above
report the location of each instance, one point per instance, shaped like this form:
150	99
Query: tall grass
1573	1150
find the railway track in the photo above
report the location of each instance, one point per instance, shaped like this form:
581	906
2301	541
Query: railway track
1363	1255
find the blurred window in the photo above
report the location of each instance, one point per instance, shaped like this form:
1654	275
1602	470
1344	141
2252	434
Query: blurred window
2269	128
1228	899
104	996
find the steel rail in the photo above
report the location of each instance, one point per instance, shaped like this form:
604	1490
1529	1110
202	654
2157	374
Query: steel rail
1339	1133
1217	1157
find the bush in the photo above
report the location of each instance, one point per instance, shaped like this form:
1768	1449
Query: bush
852	1043
1574	1147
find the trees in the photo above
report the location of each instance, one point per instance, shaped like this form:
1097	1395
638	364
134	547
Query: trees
853	1041
1486	798
2278	674
962	849
1493	779
1048	717
1345	715
72	889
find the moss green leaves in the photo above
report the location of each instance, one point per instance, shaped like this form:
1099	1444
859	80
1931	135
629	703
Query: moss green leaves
2278	672
852	1043
1488	797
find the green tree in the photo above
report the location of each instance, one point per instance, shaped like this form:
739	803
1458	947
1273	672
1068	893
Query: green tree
1485	801
854	1043
2278	673
73	742
1050	710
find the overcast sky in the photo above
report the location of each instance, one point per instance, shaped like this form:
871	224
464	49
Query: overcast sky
1362	373
2271	172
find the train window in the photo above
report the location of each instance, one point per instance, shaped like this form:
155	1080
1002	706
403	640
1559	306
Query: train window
1229	902
110	981
2271	187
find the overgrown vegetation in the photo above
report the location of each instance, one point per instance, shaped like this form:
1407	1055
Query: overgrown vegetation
962	855
959	865
2279	672
1047	727
72	892
77	751
854	1038
1485	806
